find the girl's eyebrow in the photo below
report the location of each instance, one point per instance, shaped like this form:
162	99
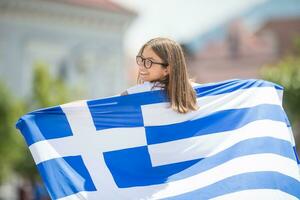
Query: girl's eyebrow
147	57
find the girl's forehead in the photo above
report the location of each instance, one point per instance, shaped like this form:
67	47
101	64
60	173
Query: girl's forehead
149	53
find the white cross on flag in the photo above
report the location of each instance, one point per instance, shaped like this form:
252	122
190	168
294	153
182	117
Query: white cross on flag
237	145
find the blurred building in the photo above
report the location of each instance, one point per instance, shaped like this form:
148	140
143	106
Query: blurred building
80	40
240	46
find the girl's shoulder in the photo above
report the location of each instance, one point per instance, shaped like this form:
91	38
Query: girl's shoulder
195	84
146	86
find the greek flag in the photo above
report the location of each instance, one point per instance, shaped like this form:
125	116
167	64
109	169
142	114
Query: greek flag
237	145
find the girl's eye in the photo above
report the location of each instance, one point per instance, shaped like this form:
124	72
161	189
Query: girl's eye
148	62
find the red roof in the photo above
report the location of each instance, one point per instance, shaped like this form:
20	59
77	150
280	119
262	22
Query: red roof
103	4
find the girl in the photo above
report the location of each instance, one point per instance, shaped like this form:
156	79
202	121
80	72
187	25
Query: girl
162	66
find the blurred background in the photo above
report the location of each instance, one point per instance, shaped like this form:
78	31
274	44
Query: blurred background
56	51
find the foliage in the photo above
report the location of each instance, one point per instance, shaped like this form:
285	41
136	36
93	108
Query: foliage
287	73
10	141
46	91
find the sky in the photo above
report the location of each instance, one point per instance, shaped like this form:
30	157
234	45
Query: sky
180	20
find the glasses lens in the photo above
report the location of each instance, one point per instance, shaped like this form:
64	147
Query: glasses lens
148	63
139	60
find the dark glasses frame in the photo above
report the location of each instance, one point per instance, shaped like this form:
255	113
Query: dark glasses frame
140	60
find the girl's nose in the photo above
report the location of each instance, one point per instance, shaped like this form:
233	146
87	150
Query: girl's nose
142	68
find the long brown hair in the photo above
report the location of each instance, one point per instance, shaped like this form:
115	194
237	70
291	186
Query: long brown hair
177	83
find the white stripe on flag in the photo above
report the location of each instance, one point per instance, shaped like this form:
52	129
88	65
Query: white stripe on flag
291	135
78	196
208	145
70	146
257	194
244	164
157	114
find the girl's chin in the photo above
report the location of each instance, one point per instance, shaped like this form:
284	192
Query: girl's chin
144	78
147	79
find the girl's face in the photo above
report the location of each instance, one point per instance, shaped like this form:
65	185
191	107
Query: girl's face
156	71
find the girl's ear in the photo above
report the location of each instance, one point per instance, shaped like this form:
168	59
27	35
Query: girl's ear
167	70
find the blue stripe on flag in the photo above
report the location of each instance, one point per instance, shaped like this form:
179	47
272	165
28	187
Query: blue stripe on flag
71	170
233	85
45	124
112	115
246	181
296	154
224	120
139	171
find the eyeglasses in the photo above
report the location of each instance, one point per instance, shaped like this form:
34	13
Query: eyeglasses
147	62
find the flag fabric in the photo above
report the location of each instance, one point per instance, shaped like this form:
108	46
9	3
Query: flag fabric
238	145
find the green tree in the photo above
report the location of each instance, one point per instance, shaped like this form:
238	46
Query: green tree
10	141
287	73
46	91
14	153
